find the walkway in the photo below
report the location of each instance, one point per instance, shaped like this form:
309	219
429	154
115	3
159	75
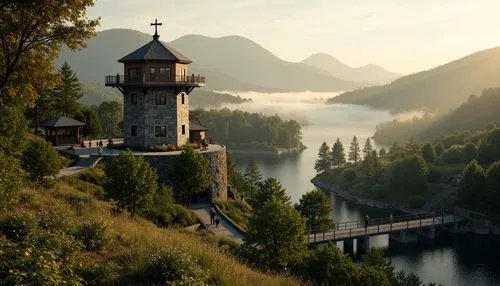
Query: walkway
352	230
225	229
81	165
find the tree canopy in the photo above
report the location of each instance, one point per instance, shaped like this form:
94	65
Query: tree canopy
338	155
40	160
34	32
270	189
323	163
315	207
354	150
111	115
69	92
252	178
472	185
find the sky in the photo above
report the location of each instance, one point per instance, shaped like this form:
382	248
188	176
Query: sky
403	36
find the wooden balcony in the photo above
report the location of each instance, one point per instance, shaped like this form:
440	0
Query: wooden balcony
152	80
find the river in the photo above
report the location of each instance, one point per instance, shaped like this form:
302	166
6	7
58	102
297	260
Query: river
450	260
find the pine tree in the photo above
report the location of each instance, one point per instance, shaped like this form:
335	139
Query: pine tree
270	189
323	163
354	150
338	155
376	165
69	91
252	177
367	150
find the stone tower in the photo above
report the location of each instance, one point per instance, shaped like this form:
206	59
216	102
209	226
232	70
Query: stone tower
156	86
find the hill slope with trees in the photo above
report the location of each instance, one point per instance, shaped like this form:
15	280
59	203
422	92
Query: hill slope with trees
439	89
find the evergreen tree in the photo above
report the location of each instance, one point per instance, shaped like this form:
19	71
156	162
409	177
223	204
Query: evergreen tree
253	178
338	155
268	189
472	186
376	166
40	160
315	207
439	147
275	236
367	149
413	146
354	150
428	153
323	163
190	174
382	152
493	178
131	183
69	92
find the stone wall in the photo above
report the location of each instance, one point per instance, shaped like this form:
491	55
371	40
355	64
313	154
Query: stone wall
216	167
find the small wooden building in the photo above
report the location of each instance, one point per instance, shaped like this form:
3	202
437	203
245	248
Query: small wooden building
63	130
196	132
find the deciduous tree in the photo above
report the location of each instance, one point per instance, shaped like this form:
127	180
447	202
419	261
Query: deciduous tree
315	207
110	115
89	116
190	174
40	160
31	36
11	180
428	153
131	182
472	186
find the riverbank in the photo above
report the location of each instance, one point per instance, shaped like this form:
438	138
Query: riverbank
267	150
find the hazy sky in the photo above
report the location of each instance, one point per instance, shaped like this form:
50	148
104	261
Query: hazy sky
403	36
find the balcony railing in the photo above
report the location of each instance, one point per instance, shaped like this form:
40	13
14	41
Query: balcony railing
117	80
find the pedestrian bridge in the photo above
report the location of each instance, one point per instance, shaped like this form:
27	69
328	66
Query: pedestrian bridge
397	227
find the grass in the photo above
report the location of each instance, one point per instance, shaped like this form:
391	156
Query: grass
135	240
239	211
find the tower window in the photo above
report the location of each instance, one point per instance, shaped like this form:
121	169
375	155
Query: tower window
183	129
133	130
160	131
133	98
182	96
161	98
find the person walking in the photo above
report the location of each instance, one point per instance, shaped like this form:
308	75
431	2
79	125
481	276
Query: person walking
100	152
212	215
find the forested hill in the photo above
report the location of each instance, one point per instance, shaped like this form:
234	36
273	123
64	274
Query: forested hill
230	63
476	113
439	89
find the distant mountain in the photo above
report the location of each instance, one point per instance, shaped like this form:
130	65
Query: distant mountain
439	89
368	74
230	63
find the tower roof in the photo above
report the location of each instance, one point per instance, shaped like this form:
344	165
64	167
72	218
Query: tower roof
155	51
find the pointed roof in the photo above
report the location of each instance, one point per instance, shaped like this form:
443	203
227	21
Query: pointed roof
63	121
155	51
195	126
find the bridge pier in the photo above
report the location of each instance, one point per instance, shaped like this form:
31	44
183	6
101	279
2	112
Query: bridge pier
363	243
402	237
349	245
427	232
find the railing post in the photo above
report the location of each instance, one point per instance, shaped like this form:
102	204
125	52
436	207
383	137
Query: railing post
420	222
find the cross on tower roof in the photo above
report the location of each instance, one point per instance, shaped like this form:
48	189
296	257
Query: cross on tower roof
156	24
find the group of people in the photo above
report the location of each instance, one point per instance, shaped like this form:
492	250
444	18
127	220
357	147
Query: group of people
214	219
97	144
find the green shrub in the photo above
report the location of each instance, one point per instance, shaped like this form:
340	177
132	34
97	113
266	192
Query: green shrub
173	266
228	243
93	234
18	226
171	215
349	175
11	180
40	160
56	219
94	176
99	273
416	202
61	244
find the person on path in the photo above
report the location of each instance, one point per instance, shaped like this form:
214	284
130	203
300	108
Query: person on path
366	221
90	143
212	215
217	222
100	152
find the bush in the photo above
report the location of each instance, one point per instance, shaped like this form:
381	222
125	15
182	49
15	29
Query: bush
453	155
56	219
94	235
349	175
99	273
434	175
171	215
416	202
11	180
18	226
61	244
174	266
40	160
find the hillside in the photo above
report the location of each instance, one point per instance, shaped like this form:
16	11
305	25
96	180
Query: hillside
475	114
230	63
440	89
369	74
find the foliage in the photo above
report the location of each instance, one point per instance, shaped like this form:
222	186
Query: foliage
70	92
110	115
237	128
270	189
171	266
11	180
239	211
235	178
381	152
93	234
493	178
324	161
315	207
338	155
99	274
18	226
131	182
469	153
354	150
13	126
40	160
275	236
253	178
428	153
472	186
32	34
409	174
368	148
89	116
371	166
349	174
190	174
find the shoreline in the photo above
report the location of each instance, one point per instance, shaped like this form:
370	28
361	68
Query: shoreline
278	151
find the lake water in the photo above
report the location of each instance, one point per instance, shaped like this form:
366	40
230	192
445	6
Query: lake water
450	260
